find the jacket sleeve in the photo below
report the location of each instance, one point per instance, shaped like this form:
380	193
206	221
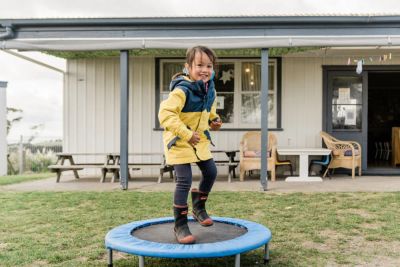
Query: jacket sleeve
213	112
169	115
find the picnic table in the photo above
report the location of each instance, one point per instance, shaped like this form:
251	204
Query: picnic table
111	163
231	162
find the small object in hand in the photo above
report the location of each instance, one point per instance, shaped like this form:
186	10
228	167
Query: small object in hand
216	124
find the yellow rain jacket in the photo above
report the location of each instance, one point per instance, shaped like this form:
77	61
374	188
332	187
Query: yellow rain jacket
191	106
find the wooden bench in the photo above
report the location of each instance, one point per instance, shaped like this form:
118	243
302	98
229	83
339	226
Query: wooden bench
109	168
137	166
231	167
75	168
111	164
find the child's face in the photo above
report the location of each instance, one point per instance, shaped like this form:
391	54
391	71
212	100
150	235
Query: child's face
201	68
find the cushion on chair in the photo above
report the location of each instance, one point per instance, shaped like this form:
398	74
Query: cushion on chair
283	162
349	152
254	154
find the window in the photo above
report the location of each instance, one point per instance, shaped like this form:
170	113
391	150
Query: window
238	86
347	103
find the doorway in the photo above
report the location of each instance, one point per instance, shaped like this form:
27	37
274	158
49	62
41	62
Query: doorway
383	114
376	94
345	106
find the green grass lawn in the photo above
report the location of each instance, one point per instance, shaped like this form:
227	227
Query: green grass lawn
15	179
68	229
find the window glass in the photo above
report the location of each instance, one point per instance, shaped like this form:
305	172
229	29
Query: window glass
169	69
251	87
347	90
225	77
225	86
347	102
251	109
346	117
225	107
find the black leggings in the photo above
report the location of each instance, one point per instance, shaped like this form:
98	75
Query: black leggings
184	179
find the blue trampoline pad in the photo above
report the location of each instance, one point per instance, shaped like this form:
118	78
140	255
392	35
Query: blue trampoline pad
155	238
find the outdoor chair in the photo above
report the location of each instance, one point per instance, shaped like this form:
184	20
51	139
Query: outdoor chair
323	162
345	154
250	154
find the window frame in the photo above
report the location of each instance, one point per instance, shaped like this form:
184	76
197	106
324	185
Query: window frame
236	125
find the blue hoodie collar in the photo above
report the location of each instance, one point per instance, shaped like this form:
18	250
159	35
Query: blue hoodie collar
197	87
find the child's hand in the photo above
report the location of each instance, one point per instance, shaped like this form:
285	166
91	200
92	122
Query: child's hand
195	139
216	124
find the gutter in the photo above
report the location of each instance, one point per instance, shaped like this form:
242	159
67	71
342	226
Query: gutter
8	34
197	21
34	61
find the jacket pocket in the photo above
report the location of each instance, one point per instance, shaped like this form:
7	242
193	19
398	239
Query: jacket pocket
208	135
172	142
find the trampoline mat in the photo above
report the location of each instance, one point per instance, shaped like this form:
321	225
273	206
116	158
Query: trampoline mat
164	232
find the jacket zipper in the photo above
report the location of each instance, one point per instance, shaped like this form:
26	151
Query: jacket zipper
198	124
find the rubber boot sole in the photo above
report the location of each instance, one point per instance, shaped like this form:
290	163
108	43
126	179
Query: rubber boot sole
190	239
202	223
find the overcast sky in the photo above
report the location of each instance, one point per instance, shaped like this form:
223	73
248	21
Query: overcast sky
38	91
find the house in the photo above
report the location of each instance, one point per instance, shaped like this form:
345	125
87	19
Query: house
341	77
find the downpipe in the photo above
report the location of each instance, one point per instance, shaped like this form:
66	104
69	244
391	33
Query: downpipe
8	34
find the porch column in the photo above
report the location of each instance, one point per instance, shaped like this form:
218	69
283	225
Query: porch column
124	132
3	128
264	118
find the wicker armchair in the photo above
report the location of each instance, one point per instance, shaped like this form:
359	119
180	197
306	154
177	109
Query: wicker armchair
250	153
345	154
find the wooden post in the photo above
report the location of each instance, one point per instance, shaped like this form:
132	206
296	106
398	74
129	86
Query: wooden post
3	129
124	116
264	119
21	156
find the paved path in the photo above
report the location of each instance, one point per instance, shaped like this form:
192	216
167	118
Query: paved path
336	184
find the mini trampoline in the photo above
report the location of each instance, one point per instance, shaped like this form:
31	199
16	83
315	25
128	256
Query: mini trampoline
155	238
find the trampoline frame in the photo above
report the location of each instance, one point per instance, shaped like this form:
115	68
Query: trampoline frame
124	232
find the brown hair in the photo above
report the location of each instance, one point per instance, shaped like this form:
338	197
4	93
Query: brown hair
191	53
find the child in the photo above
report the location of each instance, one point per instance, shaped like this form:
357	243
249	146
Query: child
187	115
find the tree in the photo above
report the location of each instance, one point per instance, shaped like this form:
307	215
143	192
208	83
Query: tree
10	113
36	129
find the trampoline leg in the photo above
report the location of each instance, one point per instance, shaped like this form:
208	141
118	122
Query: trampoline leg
237	260
141	261
266	253
110	257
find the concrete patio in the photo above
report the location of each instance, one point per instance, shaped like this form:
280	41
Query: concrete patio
339	183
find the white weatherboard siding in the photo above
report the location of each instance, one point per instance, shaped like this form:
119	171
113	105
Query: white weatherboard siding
91	106
301	102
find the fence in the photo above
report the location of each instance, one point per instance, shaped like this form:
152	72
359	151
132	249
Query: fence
26	155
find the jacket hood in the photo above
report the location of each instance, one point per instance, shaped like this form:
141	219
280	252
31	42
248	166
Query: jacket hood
182	80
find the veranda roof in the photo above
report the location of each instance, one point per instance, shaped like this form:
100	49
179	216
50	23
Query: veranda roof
183	32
